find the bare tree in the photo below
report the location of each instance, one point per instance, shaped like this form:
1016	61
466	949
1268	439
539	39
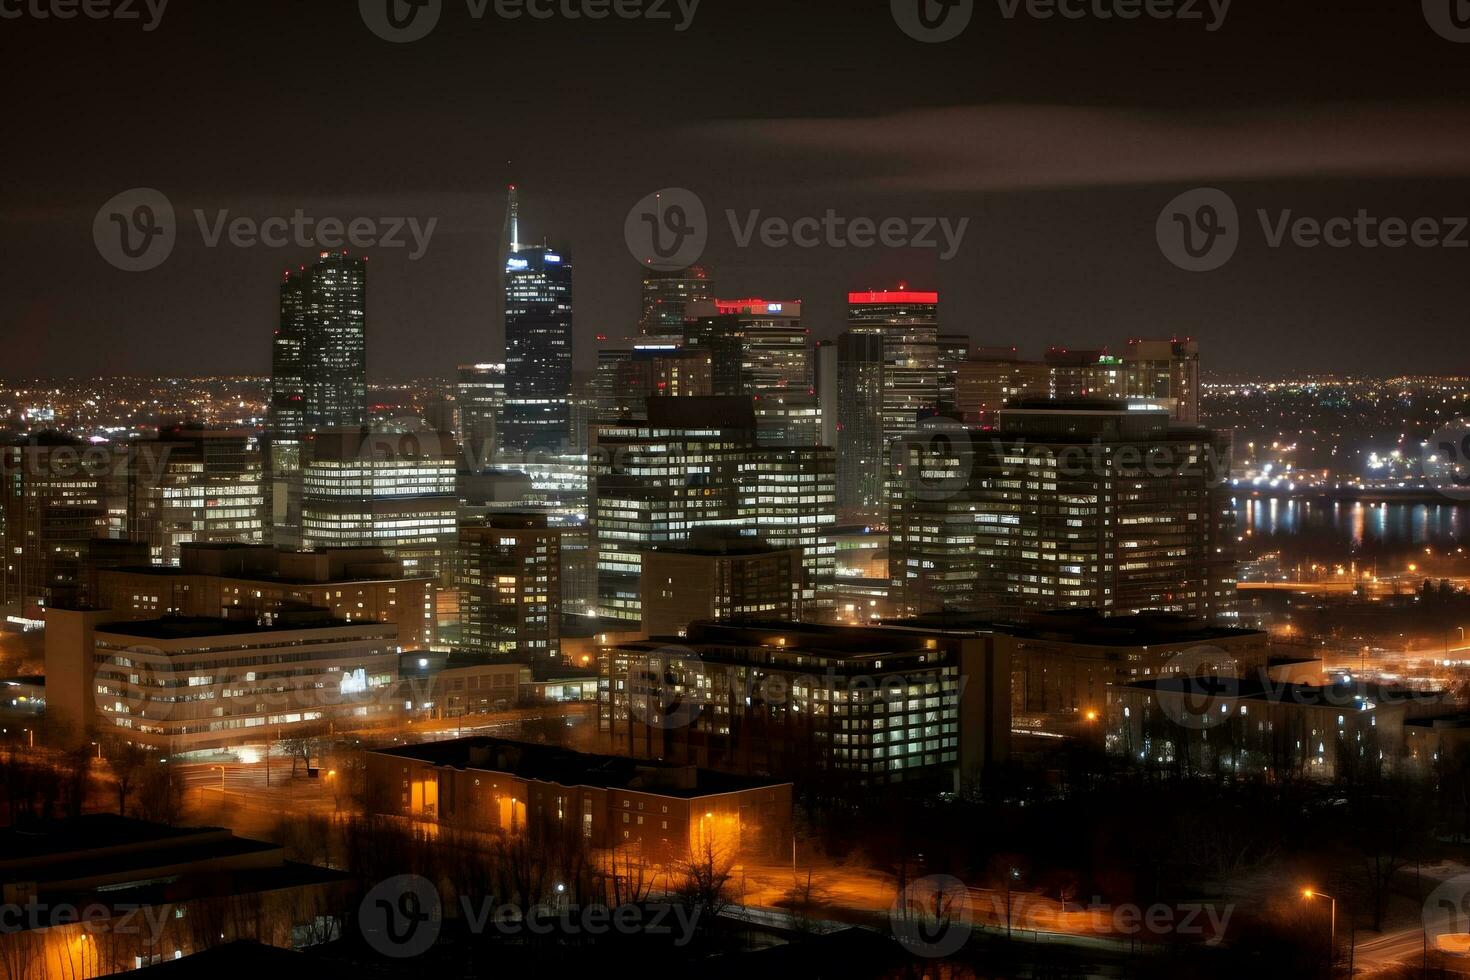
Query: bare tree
127	761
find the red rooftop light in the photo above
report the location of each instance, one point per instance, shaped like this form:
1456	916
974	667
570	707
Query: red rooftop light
891	296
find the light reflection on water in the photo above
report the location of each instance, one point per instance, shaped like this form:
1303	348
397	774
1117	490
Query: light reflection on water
1387	526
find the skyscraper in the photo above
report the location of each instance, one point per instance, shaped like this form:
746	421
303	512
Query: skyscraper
859	424
195	484
761	350
318	373
481	393
667	295
324	317
908	322
1089	503
538	346
509	577
695	463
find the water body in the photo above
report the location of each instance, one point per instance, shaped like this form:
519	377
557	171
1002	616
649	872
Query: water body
1347	528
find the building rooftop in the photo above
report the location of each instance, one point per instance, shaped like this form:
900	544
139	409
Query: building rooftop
552	764
1085	626
1355	695
191	627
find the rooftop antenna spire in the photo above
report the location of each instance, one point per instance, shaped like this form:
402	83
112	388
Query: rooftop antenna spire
513	220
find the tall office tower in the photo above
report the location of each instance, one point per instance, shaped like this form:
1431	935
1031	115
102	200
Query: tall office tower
195	484
538	344
652	482
759	349
318	374
385	489
990	377
327	302
954	350
480	392
1081	503
608	402
908	322
720	575
789	499
667	296
1164	373
696	463
52	509
860	426
509	580
824	376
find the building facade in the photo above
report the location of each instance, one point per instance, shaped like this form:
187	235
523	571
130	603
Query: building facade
1084	504
509	582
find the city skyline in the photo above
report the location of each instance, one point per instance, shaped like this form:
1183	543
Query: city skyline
1054	252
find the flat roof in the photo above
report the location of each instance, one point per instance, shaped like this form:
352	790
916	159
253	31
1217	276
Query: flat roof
191	627
90	831
553	764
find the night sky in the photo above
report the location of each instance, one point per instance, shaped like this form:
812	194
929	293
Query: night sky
1061	141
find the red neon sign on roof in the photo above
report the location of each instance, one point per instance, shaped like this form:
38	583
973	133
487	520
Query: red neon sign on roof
755	305
891	296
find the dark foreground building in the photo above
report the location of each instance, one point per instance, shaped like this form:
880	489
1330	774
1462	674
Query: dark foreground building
662	809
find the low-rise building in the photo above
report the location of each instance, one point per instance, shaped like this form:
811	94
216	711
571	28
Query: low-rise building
185	684
98	894
254	582
1260	725
856	706
663	810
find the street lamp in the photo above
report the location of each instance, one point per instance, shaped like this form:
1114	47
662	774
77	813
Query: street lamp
1309	894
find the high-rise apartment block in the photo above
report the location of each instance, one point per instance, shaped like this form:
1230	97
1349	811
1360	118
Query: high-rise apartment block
194	484
384	489
1087	503
696	463
509	581
53	507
